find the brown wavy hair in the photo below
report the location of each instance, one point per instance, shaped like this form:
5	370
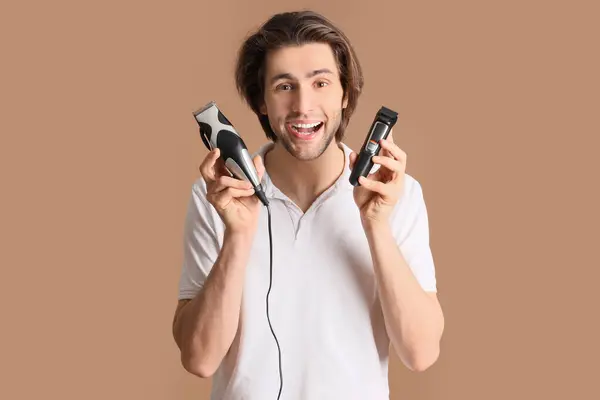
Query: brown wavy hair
294	29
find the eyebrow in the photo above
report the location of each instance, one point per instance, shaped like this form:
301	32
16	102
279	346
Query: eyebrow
286	75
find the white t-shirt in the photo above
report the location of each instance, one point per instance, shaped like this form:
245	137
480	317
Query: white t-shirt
323	304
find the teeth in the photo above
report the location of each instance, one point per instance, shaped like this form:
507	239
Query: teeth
305	125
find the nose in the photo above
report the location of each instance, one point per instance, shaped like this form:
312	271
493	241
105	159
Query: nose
303	101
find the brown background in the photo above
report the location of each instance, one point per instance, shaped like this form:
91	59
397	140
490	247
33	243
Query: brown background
499	107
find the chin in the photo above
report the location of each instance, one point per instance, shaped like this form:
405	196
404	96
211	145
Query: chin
307	151
303	155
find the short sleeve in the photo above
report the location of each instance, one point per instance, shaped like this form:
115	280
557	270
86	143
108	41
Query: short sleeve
411	226
202	240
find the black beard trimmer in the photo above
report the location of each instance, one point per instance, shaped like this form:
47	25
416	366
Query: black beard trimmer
385	119
217	132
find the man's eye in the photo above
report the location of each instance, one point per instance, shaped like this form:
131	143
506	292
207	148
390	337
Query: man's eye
321	84
285	86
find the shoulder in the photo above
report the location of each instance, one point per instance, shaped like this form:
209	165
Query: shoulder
413	191
198	195
199	187
411	205
201	213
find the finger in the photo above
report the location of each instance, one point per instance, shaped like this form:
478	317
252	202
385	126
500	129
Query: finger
375	169
207	169
393	150
224	182
377	174
222	199
221	169
390	137
374	186
389	163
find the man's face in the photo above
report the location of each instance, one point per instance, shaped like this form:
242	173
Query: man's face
303	98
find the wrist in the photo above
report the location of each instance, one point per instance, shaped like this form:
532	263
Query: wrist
236	249
377	232
239	238
375	227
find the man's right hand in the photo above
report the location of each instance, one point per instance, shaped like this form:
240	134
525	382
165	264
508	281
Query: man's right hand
233	198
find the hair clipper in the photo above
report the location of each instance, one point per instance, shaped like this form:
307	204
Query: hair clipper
380	129
217	131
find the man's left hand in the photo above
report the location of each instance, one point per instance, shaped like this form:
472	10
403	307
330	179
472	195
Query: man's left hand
379	192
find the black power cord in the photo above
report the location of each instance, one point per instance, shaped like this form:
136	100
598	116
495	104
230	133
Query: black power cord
268	293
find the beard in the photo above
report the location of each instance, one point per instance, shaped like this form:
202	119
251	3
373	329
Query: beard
313	150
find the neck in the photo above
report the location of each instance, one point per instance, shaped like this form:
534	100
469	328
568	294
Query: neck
304	181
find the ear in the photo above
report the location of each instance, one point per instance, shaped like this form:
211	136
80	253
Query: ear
345	101
263	109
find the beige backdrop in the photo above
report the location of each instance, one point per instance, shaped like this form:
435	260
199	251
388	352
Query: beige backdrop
499	107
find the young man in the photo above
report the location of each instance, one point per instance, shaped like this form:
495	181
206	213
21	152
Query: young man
352	267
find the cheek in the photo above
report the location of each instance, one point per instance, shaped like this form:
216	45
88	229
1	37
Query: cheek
271	108
334	106
279	110
277	113
334	99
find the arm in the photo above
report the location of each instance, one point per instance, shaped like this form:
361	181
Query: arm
401	256
205	326
413	317
213	272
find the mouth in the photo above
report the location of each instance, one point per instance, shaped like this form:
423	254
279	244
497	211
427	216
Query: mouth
305	131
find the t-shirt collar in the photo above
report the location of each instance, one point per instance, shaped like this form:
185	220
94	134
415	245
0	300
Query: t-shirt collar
342	183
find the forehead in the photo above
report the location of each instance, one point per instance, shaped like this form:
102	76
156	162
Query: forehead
299	61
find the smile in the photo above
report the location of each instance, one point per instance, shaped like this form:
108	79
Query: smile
305	130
